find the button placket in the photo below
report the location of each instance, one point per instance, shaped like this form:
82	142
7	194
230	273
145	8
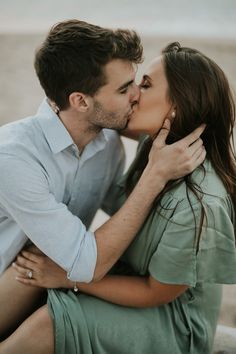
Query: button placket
75	151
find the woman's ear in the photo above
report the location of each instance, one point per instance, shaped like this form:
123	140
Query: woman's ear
79	101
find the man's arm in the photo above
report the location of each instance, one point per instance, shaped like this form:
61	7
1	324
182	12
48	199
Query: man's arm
25	194
26	198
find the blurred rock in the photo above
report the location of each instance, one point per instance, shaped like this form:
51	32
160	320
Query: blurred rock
228	307
225	340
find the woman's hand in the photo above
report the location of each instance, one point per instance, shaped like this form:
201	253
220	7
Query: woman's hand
39	270
178	159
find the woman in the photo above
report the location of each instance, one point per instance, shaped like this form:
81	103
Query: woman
164	295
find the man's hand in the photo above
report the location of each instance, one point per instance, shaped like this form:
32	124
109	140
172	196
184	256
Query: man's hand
178	159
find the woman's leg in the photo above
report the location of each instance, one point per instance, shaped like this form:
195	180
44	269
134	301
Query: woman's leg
35	335
17	302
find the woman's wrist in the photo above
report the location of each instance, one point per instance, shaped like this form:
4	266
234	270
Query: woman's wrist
152	181
70	284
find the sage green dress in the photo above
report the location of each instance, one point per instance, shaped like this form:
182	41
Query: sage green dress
165	248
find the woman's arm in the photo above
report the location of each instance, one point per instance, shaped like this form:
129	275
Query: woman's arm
131	291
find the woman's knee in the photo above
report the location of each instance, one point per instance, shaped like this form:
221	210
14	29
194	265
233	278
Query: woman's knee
41	320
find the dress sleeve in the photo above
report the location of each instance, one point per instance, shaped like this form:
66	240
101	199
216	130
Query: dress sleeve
178	260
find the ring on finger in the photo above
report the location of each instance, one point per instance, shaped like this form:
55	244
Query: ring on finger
30	274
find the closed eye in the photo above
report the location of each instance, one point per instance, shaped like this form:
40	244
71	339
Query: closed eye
145	85
146	82
124	90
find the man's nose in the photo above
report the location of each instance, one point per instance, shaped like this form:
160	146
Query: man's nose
136	93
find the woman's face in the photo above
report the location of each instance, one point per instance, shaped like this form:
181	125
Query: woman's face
154	105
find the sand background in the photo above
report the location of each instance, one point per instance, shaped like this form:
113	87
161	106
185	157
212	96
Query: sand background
20	95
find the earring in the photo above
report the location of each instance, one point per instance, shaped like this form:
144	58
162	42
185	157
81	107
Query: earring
53	105
173	114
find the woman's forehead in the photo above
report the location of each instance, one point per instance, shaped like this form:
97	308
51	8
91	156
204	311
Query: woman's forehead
155	67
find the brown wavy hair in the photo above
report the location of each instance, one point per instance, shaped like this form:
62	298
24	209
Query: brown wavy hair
73	56
200	92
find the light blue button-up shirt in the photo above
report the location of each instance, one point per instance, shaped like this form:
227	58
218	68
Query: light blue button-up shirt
50	194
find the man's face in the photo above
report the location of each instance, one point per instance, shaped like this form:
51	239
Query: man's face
112	104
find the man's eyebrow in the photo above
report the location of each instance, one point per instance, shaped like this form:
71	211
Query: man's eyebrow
125	85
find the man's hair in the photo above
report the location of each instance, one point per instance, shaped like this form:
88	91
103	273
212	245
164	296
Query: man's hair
73	56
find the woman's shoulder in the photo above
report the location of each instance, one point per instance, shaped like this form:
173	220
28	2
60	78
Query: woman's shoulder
207	184
182	204
185	257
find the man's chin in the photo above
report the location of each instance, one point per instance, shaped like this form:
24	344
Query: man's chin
121	127
126	126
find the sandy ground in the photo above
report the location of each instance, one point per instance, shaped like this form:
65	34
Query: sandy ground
20	95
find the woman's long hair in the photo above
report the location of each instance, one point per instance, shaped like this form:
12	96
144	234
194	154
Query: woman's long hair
200	92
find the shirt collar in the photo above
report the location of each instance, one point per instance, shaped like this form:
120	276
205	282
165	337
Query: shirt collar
59	138
54	131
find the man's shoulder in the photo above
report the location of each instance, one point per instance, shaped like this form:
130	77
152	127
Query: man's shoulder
16	128
207	185
18	135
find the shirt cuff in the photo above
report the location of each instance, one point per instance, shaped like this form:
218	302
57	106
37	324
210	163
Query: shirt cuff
84	265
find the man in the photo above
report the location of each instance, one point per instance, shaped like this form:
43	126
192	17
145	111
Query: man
57	166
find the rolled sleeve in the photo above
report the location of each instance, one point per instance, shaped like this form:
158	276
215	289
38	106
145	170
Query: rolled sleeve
25	194
177	259
85	263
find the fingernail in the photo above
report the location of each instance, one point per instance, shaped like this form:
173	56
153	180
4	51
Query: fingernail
13	264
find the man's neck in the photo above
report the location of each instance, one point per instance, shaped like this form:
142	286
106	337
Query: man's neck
77	126
80	131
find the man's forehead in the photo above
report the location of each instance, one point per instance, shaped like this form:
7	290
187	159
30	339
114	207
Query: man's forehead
119	71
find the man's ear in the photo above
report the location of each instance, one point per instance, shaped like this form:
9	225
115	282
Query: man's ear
79	101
